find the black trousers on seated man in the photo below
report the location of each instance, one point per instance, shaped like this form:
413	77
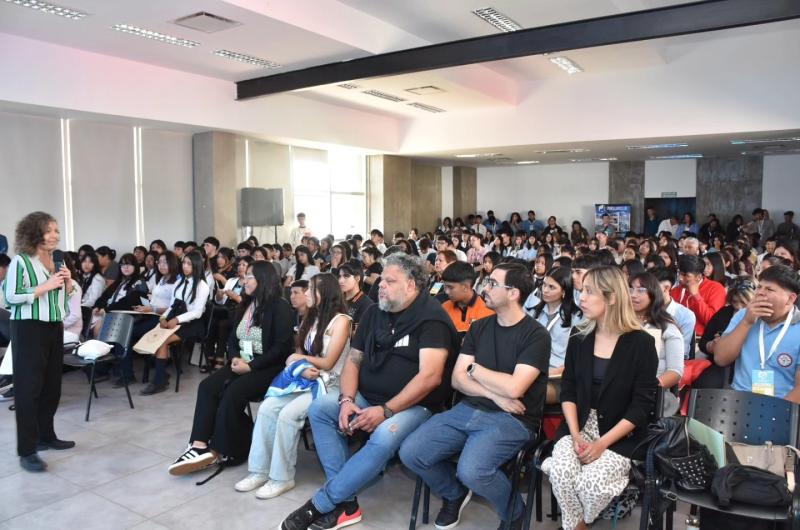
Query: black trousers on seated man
219	414
38	358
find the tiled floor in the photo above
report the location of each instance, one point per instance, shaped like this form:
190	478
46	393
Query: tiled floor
117	476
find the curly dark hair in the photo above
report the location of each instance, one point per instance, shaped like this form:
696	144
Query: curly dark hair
30	232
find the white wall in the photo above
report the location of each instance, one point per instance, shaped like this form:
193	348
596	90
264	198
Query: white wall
781	190
568	191
447	192
103	189
679	176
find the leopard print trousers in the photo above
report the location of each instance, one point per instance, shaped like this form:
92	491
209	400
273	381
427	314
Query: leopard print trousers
584	490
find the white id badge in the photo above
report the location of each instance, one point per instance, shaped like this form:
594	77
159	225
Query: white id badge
247	350
764	382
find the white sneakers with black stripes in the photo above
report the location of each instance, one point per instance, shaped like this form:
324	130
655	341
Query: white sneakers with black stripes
193	459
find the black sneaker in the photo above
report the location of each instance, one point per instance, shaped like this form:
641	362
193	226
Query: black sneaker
193	459
301	518
153	388
8	395
120	382
345	514
450	514
515	525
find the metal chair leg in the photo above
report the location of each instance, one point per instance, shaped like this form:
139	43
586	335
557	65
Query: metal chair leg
553	507
91	389
177	358
426	504
128	391
412	525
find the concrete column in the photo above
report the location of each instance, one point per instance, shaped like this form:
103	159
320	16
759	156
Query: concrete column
215	186
626	186
727	186
465	191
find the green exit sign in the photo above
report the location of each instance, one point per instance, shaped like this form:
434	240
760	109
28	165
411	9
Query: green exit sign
668	194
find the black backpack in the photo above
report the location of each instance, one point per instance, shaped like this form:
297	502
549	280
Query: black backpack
739	483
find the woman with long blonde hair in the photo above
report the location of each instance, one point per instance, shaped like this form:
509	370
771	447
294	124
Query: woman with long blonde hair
608	397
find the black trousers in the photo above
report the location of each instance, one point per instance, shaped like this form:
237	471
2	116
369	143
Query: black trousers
38	356
5	331
219	414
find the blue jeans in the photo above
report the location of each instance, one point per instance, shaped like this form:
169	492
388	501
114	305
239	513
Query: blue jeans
487	440
346	477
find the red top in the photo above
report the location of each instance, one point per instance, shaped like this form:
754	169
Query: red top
704	304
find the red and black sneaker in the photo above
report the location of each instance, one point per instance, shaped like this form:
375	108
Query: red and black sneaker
345	514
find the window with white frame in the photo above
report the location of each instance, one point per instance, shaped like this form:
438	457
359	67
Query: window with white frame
330	188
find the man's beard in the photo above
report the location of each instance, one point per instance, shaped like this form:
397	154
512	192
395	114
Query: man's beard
390	306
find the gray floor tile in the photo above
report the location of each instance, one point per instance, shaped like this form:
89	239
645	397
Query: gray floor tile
86	511
25	492
104	464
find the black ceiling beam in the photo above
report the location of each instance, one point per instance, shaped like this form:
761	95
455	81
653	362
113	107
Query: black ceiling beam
662	22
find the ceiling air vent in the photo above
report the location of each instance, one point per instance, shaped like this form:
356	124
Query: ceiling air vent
348	86
206	22
427	108
425	90
383	95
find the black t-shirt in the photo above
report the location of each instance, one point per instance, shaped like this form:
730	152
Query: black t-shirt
375	268
357	306
380	385
501	349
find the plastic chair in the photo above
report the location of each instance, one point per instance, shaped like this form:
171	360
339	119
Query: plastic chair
117	331
746	418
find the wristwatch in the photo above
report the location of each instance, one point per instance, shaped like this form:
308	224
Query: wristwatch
471	368
387	412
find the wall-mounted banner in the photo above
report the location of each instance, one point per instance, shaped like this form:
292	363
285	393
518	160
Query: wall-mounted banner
620	216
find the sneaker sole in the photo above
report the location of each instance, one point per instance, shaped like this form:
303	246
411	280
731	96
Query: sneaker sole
183	468
458	520
348	522
274	494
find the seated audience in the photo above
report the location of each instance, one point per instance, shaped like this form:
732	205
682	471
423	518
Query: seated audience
258	348
315	369
763	339
297	299
401	354
683	317
108	267
356	302
186	310
463	305
558	313
501	371
702	296
123	294
648	303
490	261
608	395
92	286
303	268
226	298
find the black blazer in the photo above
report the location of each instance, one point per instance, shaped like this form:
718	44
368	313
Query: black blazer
277	325
628	391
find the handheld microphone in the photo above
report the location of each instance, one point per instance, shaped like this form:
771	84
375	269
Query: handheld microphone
58	259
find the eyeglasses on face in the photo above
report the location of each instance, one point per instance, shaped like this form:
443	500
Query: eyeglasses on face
491	284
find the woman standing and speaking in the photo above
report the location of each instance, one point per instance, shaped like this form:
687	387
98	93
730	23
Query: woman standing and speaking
37	295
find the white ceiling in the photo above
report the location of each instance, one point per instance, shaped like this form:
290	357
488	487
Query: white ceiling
302	33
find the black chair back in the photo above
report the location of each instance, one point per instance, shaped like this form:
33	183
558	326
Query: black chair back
746	417
117	329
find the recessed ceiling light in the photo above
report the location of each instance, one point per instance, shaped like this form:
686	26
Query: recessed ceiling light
656	146
766	141
244	58
601	159
677	157
772	152
497	19
566	64
556	151
526	162
154	35
50	9
383	95
479	155
425	90
428	108
467	156
349	86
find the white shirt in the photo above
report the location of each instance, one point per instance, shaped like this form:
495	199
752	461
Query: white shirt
666	226
230	285
297	234
308	272
24	274
194	308
73	322
161	295
94	291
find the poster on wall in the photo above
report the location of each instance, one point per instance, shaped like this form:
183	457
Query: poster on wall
620	215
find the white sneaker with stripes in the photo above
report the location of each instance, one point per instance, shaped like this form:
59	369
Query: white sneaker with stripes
193	459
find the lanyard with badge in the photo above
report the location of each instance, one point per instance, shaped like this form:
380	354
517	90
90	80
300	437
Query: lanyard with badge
763	379
247	344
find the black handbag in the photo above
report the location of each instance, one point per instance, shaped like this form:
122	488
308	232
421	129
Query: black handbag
678	457
178	308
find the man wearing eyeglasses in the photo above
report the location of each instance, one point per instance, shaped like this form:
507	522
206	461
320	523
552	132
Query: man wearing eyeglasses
502	372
